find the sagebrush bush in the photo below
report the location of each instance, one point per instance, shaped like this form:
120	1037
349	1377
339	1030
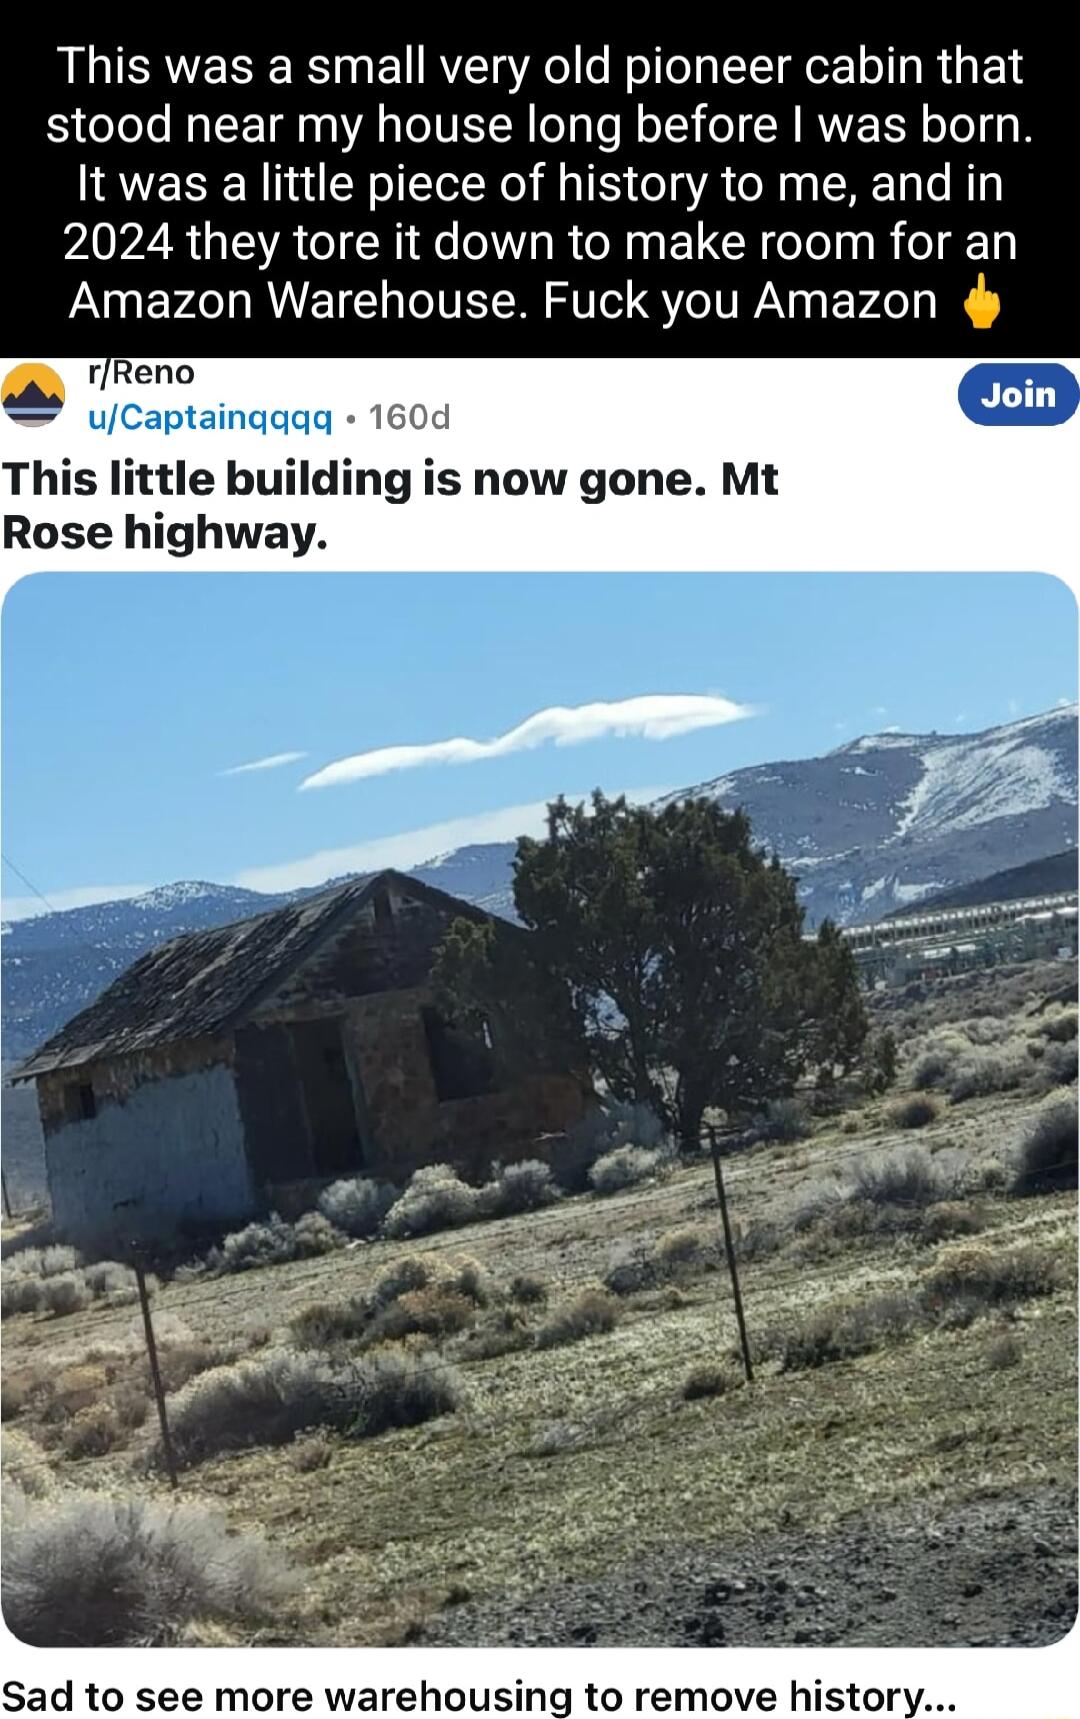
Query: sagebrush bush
590	1315
933	1068
269	1242
707	1380
265	1400
88	1570
979	1076
20	1294
527	1289
1061	1029
783	1119
323	1324
602	1130
438	1311
357	1205
974	1279
314	1235
94	1431
691	1248
65	1294
435	1199
1047	1156
524	1187
842	1332
914	1111
901	1179
624	1168
412	1272
25	1465
395	1389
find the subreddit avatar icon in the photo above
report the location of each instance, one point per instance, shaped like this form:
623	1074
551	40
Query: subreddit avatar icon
32	395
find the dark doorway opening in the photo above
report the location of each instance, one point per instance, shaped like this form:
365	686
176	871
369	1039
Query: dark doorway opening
329	1099
462	1066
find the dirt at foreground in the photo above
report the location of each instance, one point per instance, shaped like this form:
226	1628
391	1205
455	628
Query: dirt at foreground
1000	1571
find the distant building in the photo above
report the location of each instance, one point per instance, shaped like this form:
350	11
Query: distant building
297	1046
932	944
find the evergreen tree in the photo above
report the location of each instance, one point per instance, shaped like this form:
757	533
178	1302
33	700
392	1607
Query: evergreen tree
667	951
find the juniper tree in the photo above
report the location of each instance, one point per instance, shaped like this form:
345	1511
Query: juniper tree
667	950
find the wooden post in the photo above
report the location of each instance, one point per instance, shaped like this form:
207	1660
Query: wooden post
8	1213
729	1247
155	1373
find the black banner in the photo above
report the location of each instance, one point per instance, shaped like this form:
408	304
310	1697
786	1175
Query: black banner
461	195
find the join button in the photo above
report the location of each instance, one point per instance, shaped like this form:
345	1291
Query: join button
1019	394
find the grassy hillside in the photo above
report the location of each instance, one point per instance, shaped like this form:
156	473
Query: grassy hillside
900	1471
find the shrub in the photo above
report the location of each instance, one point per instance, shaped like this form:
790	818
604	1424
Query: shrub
783	1119
1047	1157
901	1179
933	1068
1056	1067
323	1324
1061	1029
20	1293
1004	1352
979	1076
528	1290
757	1239
266	1400
93	1432
313	1235
842	1332
403	1274
914	1111
107	1279
950	1219
523	1187
257	1244
435	1199
357	1205
619	1123
684	1250
396	1389
65	1294
967	1281
87	1570
25	1466
631	1273
311	1451
590	1315
438	1311
707	1380
623	1168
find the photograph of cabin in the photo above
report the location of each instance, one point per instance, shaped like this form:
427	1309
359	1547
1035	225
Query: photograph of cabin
295	1047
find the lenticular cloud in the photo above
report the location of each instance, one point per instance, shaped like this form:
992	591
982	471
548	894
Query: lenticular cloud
656	716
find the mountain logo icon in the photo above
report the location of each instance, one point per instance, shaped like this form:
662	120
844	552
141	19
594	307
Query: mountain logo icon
32	395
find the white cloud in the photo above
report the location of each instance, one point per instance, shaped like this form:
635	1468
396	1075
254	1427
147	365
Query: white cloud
657	716
88	895
413	847
274	762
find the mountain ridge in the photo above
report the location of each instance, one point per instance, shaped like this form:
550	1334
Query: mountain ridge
872	827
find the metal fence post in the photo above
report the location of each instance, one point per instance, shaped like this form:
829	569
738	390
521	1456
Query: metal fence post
729	1247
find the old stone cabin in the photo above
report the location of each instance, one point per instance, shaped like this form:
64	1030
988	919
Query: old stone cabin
228	1066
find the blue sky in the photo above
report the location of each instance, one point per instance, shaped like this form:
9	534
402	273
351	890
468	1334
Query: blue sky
126	697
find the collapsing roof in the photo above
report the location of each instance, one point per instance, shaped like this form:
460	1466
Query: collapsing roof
203	982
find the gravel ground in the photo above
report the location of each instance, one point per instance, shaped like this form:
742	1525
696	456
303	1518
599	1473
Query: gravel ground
1001	1571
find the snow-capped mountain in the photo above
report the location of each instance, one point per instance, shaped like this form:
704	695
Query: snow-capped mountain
890	818
874	826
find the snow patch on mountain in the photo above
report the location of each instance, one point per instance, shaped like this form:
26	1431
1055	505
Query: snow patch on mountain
965	783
